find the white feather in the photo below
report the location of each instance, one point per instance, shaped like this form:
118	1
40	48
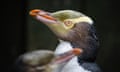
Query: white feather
72	65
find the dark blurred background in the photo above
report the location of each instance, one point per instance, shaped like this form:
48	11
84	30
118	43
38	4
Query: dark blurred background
23	33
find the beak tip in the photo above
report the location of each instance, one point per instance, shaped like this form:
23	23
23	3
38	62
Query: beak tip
30	13
77	51
34	12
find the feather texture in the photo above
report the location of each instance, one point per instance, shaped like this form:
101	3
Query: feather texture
72	65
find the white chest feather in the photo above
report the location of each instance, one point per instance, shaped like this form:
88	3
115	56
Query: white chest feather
63	47
72	65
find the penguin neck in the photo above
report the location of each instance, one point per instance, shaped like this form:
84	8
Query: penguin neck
62	47
72	65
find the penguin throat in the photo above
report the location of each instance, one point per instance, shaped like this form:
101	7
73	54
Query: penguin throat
62	47
72	65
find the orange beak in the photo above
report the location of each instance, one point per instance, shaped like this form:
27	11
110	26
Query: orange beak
77	51
37	12
65	57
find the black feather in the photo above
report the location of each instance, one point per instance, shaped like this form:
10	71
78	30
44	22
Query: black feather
93	67
88	41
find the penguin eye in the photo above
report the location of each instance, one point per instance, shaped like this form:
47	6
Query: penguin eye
68	23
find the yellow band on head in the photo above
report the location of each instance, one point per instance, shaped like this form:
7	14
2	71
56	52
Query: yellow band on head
81	19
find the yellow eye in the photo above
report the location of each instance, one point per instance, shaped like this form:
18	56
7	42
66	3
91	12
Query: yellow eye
68	24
